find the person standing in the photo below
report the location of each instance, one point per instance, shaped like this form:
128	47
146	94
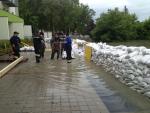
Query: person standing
15	44
43	46
37	41
42	33
68	48
62	43
55	44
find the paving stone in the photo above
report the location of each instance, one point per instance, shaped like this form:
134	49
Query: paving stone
47	87
76	112
84	108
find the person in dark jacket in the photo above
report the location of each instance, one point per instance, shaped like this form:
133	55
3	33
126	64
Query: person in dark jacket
15	44
62	43
37	41
55	45
43	46
68	48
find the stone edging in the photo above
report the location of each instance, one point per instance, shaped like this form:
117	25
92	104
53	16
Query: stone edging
10	66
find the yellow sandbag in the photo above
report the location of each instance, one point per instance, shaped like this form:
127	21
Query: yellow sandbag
88	52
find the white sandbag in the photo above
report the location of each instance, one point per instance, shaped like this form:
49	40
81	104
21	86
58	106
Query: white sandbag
145	58
131	76
139	79
117	76
147	63
27	48
146	52
147	94
131	49
147	80
143	84
136	58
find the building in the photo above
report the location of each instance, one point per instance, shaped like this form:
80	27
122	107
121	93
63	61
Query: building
10	20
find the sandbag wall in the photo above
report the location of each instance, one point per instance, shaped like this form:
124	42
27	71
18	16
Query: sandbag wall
131	65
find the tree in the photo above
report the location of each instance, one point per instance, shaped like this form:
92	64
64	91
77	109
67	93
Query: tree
56	15
144	29
89	27
115	25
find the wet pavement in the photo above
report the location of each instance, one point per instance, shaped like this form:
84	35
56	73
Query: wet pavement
3	65
53	86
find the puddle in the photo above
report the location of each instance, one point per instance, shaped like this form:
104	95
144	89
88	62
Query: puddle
115	95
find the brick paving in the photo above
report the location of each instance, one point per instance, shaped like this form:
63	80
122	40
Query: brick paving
49	87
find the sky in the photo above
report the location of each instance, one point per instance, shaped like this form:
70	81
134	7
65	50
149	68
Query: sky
140	7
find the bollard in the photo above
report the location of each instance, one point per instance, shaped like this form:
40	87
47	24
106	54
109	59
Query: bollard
88	52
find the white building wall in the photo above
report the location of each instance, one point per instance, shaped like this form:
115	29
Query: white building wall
48	34
19	27
4	29
27	31
14	10
1	5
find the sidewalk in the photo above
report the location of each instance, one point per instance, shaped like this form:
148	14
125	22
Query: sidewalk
49	87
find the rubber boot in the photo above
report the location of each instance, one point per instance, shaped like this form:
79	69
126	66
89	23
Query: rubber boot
37	59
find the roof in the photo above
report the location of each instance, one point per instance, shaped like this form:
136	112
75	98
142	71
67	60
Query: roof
11	18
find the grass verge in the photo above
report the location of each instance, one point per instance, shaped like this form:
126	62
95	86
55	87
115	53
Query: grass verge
145	43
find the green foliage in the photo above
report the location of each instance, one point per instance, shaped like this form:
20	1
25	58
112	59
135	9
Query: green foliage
115	25
4	44
137	43
11	17
27	41
146	29
54	15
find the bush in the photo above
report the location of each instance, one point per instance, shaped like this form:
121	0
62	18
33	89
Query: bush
105	38
115	25
4	44
27	41
4	47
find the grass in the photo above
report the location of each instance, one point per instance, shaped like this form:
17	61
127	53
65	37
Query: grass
27	41
11	18
5	46
145	43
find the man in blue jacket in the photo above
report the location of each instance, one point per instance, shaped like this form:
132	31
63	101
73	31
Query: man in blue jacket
68	48
15	44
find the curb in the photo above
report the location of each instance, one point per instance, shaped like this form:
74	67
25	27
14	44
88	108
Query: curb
10	66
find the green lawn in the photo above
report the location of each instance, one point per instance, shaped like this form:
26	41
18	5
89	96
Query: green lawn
11	17
138	43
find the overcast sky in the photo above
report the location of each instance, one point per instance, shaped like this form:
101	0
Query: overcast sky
140	7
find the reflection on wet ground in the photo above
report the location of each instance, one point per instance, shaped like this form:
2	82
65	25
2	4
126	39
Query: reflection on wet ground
116	96
58	87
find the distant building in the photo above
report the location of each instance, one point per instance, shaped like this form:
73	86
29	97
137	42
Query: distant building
10	20
27	31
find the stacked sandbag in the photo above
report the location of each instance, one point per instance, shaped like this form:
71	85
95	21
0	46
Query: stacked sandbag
76	50
131	65
27	48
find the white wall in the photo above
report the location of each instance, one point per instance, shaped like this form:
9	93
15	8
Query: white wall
1	5
48	34
19	27
4	29
14	10
27	31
